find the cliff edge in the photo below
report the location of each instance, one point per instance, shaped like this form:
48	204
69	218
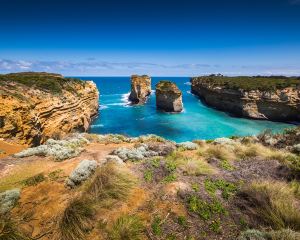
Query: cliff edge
38	106
271	98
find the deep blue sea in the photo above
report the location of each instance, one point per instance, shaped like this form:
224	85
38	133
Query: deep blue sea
197	121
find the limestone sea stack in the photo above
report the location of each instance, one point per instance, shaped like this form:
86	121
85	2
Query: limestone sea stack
274	98
38	106
168	97
140	89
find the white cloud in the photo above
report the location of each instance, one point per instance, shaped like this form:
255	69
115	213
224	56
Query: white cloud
96	68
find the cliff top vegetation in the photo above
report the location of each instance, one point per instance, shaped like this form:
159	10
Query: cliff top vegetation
49	82
166	86
263	83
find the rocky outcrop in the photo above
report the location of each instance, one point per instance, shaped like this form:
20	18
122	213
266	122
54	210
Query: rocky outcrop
168	97
140	89
39	106
277	104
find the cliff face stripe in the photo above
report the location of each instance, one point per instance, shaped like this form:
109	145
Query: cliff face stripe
40	114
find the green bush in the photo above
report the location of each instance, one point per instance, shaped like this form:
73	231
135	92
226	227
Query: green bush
205	209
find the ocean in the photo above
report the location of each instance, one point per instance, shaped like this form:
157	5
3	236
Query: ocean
197	121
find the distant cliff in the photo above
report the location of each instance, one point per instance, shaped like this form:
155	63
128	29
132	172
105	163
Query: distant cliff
272	98
38	106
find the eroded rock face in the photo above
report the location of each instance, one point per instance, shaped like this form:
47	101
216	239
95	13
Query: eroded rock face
168	97
140	89
277	105
32	112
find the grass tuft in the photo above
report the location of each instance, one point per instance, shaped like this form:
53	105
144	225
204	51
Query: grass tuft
8	230
271	204
127	228
110	182
76	220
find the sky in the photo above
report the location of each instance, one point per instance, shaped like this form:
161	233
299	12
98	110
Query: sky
155	37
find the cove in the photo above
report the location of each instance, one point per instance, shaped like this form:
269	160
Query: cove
197	121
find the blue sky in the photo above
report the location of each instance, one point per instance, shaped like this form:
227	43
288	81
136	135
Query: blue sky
156	37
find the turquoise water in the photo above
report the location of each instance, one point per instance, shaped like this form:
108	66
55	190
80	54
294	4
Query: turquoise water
196	122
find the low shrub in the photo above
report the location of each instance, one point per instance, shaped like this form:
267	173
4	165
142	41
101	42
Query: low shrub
227	188
58	149
34	180
81	173
156	226
253	234
8	200
148	175
205	209
284	234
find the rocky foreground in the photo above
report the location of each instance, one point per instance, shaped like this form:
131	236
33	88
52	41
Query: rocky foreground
114	187
38	106
272	98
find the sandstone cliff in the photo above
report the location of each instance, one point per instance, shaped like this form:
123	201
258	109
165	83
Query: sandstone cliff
140	89
168	97
38	106
259	98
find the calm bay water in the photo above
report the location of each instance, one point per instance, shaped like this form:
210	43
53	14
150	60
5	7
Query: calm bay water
196	122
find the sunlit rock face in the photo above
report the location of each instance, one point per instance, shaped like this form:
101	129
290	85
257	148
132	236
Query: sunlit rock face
140	89
39	106
168	97
276	104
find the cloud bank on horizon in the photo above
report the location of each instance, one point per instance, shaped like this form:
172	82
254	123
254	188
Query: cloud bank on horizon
94	68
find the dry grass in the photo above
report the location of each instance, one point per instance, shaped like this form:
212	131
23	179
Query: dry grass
110	182
8	230
189	165
271	204
219	152
19	174
126	228
195	167
76	220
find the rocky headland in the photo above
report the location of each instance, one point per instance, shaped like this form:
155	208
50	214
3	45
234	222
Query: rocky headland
168	97
38	106
140	89
271	98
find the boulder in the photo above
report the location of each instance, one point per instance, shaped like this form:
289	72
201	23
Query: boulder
140	89
168	97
